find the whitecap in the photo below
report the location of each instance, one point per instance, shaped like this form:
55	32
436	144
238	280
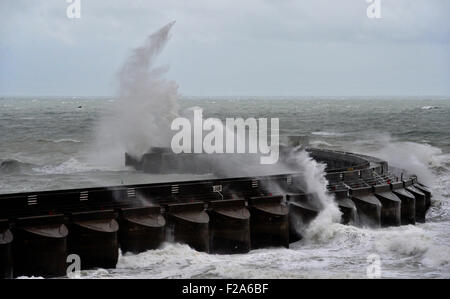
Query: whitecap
320	143
328	134
429	107
66	140
70	166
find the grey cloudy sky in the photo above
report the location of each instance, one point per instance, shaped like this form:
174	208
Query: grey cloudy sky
226	47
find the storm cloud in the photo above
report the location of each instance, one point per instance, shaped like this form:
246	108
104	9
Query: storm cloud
225	47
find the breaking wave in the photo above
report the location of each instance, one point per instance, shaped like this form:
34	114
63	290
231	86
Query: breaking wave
62	140
328	134
10	166
429	107
320	143
70	166
66	140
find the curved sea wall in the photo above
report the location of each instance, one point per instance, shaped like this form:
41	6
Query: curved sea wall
38	230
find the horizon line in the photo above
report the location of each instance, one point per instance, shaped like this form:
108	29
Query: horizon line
181	96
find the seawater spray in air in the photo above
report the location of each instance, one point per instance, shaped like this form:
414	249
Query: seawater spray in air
145	107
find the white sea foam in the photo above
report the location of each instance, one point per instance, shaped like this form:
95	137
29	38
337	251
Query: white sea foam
416	158
66	140
181	261
70	166
428	107
341	254
319	143
328	134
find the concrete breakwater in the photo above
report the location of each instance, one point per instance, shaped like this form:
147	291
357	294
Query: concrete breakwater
38	230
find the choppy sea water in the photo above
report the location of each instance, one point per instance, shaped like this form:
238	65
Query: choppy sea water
48	143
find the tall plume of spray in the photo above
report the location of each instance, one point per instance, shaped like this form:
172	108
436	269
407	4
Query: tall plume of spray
144	109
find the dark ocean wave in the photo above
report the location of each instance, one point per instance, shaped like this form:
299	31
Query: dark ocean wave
12	166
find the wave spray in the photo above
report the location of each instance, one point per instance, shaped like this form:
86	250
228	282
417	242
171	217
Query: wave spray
146	105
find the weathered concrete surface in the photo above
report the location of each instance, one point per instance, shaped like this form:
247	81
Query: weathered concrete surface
6	258
391	205
368	207
230	226
93	236
40	246
141	229
408	206
425	190
269	222
347	207
303	208
188	223
421	202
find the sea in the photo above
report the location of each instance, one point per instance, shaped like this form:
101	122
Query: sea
49	143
